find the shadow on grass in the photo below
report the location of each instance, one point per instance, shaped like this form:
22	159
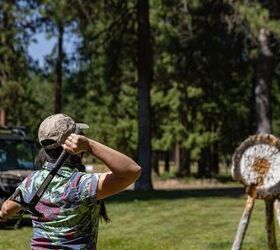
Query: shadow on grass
10	224
130	195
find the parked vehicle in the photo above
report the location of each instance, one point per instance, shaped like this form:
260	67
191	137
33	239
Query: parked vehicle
17	154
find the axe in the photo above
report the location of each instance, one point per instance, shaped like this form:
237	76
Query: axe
31	206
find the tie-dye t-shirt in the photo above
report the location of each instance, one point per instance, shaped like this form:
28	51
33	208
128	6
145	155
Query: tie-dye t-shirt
71	212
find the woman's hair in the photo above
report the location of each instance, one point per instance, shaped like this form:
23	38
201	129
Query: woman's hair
51	155
103	212
40	158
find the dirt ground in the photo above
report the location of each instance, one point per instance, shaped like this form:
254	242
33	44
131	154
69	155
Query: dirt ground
172	184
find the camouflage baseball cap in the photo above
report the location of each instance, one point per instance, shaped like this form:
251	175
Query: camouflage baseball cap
56	128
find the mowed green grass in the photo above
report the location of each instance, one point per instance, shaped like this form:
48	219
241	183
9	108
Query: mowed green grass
183	220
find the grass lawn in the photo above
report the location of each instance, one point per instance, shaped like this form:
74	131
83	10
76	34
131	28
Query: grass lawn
183	220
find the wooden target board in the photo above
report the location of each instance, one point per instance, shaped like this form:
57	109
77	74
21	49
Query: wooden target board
256	164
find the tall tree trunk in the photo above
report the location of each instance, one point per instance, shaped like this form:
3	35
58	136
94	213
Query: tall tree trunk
59	68
145	73
177	154
2	117
155	162
166	161
215	158
5	42
263	84
184	163
204	162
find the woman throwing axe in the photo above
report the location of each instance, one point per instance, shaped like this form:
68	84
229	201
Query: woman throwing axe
70	205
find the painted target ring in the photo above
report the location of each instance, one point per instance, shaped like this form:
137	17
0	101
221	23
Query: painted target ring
256	164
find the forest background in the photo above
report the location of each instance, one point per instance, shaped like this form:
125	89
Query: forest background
160	80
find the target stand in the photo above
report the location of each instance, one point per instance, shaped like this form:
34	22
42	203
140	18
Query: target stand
256	164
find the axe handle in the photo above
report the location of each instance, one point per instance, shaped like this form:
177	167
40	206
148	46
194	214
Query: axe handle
35	199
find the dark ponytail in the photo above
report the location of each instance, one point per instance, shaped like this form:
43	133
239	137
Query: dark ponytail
103	212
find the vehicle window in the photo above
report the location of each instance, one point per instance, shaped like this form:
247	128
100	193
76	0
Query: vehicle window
16	155
3	155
